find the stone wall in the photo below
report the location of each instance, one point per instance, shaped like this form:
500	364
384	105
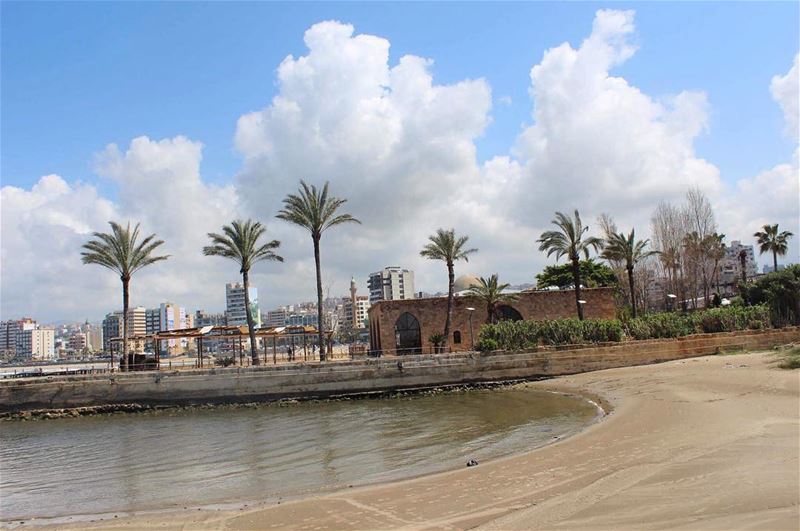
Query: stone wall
432	312
362	376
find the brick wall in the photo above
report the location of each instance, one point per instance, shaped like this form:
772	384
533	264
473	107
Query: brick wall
432	312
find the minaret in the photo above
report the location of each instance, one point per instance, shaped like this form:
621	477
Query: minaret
353	300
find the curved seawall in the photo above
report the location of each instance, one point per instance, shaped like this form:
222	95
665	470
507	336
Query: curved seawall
303	380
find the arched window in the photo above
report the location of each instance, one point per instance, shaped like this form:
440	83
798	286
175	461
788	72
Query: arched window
507	313
457	337
407	334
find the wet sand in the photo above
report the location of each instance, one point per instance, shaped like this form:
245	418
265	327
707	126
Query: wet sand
703	443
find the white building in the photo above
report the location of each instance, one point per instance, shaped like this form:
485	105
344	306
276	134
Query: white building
391	283
37	344
234	303
730	267
172	317
276	318
359	318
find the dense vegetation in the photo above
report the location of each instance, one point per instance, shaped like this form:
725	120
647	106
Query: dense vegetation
515	335
781	291
593	274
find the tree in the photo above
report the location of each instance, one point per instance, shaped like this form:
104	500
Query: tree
716	244
781	290
122	252
240	243
490	292
569	241
593	274
445	246
743	264
620	248
315	210
769	240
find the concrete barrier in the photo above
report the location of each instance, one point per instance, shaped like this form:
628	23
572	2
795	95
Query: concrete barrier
273	382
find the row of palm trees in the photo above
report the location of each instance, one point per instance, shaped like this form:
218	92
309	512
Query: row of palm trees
569	239
311	208
316	211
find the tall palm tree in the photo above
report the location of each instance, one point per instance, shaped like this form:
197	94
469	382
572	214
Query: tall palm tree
620	248
445	246
122	252
769	240
239	242
743	264
569	241
315	210
717	253
490	292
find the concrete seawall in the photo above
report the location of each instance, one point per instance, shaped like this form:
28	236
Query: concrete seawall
273	382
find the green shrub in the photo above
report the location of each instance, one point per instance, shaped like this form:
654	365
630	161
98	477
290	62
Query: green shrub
517	335
511	335
487	345
781	291
659	325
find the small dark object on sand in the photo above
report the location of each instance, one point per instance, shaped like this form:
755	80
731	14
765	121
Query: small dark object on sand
472	462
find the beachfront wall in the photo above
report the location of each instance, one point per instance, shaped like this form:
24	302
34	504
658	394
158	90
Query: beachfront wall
262	383
431	313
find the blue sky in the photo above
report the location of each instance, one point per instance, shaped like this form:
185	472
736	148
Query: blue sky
207	128
76	76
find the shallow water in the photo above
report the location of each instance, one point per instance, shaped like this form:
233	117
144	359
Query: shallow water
178	458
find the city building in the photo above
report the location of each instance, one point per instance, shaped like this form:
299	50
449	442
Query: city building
37	344
391	283
172	317
94	338
152	320
10	334
730	267
113	324
77	342
203	318
234	305
405	326
276	318
357	319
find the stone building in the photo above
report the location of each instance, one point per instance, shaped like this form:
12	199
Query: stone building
404	326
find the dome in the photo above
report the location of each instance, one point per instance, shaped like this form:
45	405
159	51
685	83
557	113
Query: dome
464	282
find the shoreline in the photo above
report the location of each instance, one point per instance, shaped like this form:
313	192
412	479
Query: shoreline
707	442
230	505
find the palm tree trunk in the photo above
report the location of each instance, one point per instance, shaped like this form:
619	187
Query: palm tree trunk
774	261
490	313
576	279
633	294
320	325
125	299
251	326
451	278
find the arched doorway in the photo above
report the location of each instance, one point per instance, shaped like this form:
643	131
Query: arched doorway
507	313
407	334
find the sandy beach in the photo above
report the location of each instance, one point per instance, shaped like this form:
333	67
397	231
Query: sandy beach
703	443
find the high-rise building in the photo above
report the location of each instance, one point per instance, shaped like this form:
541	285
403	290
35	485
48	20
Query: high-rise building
172	317
234	304
10	334
94	338
152	320
730	267
391	283
113	324
77	342
37	344
357	318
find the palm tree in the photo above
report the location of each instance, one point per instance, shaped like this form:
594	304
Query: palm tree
717	253
743	264
239	242
569	241
315	210
122	252
490	292
770	241
620	248
445	246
